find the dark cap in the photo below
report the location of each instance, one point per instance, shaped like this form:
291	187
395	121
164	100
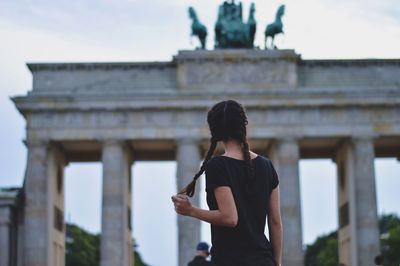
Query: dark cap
203	246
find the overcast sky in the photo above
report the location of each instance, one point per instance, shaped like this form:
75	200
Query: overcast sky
138	30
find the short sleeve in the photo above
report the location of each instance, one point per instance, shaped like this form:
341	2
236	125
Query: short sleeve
274	176
215	175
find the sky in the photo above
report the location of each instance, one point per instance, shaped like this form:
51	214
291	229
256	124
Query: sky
139	30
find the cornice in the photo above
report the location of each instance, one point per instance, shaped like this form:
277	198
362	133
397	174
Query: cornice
235	55
349	62
133	102
88	66
181	58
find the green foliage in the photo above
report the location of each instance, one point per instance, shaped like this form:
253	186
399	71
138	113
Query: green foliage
388	221
323	252
138	260
83	248
390	240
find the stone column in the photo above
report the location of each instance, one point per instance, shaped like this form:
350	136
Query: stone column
188	162
285	156
5	243
116	240
44	227
37	209
358	220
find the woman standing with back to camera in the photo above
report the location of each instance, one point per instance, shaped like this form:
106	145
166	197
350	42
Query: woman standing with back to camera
242	191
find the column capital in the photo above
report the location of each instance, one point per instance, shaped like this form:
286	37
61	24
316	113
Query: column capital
285	139
188	140
5	214
363	143
29	143
285	145
112	142
288	139
350	141
363	137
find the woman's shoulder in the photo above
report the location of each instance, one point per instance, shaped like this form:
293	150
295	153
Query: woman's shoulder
264	159
267	162
214	160
220	158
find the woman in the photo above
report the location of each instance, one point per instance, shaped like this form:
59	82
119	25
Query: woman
242	190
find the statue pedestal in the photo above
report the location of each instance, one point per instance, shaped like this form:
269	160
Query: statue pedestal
236	69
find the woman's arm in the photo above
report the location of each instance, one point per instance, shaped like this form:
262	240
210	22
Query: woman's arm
275	225
226	214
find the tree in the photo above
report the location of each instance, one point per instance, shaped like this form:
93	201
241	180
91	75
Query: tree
389	226
138	259
324	251
83	248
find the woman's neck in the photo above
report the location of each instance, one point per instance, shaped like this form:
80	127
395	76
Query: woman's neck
234	149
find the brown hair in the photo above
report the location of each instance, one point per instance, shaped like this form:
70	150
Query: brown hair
226	120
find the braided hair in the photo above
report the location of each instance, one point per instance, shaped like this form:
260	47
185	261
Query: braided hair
227	120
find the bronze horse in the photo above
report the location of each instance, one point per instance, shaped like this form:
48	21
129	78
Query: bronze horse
275	28
198	29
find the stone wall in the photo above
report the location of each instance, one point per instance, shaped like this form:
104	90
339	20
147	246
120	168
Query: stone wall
105	78
350	74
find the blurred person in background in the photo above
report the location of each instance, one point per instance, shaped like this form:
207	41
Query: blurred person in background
201	255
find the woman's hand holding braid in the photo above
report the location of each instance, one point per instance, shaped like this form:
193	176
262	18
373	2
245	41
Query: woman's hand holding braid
226	215
182	204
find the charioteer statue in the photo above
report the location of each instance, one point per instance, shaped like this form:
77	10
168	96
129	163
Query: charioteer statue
230	29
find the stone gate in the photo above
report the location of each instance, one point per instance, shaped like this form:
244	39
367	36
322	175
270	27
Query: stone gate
121	113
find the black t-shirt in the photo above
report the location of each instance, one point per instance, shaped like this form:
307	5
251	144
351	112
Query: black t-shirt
245	244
